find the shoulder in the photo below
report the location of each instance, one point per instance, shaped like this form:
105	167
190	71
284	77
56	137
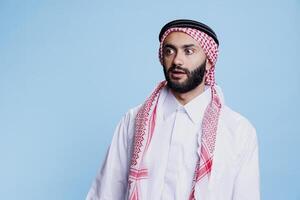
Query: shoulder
130	115
126	125
240	128
234	119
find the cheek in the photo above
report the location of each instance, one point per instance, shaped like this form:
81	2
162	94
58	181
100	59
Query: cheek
192	64
166	68
196	62
167	62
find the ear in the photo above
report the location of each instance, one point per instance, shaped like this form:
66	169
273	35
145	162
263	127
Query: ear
208	65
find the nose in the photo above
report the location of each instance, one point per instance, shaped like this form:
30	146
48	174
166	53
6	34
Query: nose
178	59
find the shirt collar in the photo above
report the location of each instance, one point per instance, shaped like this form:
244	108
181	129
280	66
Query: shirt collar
194	109
170	105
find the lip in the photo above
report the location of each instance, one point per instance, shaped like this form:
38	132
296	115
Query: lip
177	74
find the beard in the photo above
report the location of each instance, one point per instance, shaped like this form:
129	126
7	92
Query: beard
194	78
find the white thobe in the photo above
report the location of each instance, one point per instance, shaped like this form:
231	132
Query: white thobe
172	155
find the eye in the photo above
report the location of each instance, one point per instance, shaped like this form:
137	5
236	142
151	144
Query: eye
167	51
189	51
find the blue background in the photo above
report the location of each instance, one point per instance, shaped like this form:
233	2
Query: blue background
69	70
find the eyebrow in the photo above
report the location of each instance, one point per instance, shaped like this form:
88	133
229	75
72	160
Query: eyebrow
183	46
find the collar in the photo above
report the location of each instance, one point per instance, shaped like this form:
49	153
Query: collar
194	109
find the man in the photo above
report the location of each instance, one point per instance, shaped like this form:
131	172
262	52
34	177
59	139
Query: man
183	142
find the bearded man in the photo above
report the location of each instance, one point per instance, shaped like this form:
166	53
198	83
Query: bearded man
183	142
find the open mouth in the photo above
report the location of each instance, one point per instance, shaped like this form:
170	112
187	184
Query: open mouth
177	74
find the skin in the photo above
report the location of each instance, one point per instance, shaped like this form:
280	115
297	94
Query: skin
182	50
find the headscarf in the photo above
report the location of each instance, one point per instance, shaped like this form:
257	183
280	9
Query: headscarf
200	32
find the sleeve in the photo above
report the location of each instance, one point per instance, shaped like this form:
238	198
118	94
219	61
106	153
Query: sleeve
247	186
111	180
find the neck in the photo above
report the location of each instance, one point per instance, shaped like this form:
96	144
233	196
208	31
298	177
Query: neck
184	98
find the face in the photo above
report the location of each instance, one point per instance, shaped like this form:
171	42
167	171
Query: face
184	62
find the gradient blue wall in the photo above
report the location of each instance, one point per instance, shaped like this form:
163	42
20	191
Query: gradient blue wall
69	70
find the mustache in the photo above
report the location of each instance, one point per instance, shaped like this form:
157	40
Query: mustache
175	68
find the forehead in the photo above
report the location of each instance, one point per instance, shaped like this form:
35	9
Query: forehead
179	39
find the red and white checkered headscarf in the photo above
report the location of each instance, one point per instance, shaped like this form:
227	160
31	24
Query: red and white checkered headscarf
146	119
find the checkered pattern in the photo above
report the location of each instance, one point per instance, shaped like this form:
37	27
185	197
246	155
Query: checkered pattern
206	42
144	127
